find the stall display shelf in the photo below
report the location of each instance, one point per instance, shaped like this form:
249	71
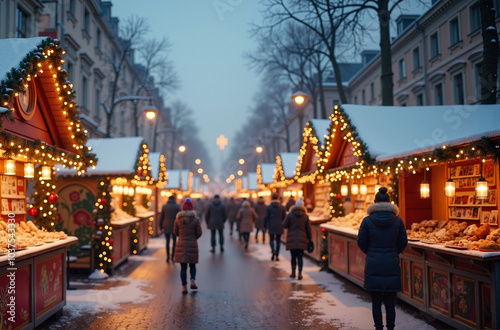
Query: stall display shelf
457	286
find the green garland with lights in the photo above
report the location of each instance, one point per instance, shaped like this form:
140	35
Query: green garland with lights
336	206
323	254
44	199
102	238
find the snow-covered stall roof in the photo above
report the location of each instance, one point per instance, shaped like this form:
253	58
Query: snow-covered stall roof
289	162
154	162
267	172
185	180
174	179
321	127
117	156
14	51
196	184
244	183
394	132
252	181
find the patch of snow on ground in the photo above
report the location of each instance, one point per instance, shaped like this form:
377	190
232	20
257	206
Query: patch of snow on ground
157	242
142	258
336	304
88	301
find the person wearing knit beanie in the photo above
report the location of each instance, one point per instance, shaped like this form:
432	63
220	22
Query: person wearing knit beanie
188	228
300	202
187	205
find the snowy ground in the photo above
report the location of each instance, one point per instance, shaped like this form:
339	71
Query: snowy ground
334	304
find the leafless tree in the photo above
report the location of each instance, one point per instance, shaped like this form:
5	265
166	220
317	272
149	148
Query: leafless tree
155	64
179	116
321	17
490	53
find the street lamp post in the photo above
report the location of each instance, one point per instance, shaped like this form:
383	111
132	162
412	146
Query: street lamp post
182	150
299	98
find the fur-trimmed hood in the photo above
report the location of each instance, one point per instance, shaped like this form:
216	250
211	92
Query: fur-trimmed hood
245	204
383	214
186	214
298	210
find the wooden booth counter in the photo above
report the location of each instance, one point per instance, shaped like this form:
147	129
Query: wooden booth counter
121	237
458	287
36	283
144	226
316	235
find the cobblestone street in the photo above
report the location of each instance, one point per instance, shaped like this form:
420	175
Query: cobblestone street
238	289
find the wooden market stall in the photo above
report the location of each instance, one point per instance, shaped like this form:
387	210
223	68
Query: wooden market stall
265	180
445	271
315	192
286	166
100	206
40	128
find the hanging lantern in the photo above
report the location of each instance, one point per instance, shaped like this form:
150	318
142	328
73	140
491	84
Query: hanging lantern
344	190
425	190
46	173
29	170
482	188
354	189
449	188
9	167
363	190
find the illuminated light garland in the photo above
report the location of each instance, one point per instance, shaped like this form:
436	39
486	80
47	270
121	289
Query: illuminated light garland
102	237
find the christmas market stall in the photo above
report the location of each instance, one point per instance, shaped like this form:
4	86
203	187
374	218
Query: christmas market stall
99	206
40	128
440	164
265	180
159	175
315	192
286	165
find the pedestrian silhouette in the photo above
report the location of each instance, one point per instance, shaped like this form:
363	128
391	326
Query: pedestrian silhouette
215	217
187	227
246	217
260	209
167	218
273	222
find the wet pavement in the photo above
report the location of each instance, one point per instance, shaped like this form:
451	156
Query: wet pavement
238	289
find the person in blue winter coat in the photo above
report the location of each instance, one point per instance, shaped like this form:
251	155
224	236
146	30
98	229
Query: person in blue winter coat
215	217
382	237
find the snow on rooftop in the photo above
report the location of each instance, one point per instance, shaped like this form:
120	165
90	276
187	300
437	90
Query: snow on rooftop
252	181
154	162
174	179
393	132
289	162
185	180
14	51
267	171
321	126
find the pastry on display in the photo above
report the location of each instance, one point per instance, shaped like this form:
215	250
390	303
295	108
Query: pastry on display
352	220
27	234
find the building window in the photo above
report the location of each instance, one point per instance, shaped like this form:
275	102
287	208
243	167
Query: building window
86	21
71	69
372	91
458	89
355	100
475	17
98	38
434	45
21	23
335	102
97	103
85	93
454	32
402	69
438	94
363	97
419	100
416	59
72	7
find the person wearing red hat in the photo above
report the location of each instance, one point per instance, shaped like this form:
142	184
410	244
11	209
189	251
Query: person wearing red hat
188	229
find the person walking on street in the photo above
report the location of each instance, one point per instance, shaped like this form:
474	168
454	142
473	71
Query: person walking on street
298	235
246	217
382	237
231	210
215	217
187	226
260	209
273	222
167	218
199	208
290	203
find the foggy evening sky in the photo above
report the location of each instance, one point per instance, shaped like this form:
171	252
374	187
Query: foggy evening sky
207	52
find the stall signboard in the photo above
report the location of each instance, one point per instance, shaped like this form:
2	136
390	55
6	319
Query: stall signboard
49	283
15	298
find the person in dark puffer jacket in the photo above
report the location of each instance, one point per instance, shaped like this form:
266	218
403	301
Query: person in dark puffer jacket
298	235
382	237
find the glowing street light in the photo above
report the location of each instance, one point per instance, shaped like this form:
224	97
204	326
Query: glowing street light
259	149
299	97
241	161
182	148
197	161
